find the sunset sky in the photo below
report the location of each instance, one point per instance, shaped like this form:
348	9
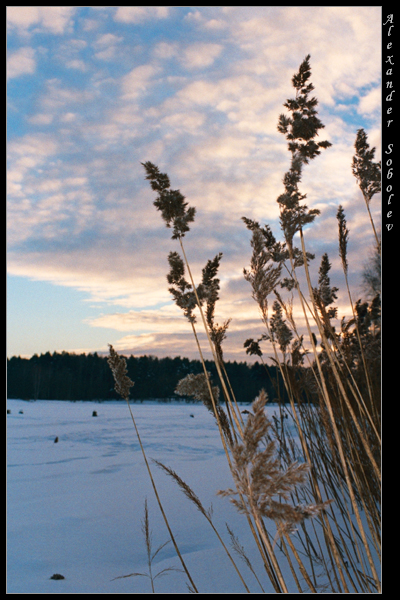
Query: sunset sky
94	91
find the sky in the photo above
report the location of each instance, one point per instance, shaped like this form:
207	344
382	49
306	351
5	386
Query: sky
92	92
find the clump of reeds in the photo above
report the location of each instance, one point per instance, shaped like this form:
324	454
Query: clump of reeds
261	483
335	400
322	492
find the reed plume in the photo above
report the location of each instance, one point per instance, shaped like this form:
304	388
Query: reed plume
264	486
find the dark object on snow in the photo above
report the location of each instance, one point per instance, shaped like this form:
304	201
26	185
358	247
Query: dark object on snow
94	414
245	412
56	440
57	576
21	412
192	416
8	411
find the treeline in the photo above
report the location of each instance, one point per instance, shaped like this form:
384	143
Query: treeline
69	376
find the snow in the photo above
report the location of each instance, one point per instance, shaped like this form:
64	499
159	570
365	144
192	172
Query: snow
75	507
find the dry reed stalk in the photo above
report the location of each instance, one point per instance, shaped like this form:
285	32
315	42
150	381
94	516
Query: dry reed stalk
301	567
343	239
176	212
264	279
189	493
336	374
263	309
150	555
340	498
306	452
367	173
331	543
214	354
259	480
194	385
337	436
336	350
242	554
274	571
122	387
265	548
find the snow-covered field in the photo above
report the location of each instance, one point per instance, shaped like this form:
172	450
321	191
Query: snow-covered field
75	507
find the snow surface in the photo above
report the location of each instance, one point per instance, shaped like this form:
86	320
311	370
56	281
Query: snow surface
76	507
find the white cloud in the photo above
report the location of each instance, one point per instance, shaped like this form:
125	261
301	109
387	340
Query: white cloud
197	56
41	119
106	46
193	56
76	64
226	148
107	54
189	121
165	50
215	24
55	19
107	39
68	117
160	320
22	17
21	62
57	96
34	146
138	14
371	102
137	81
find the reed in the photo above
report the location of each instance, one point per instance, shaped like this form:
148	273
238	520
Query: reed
150	554
315	484
122	386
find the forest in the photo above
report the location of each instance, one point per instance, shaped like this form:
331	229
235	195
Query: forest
70	376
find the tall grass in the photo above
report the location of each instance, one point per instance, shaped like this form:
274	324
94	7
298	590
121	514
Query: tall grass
311	495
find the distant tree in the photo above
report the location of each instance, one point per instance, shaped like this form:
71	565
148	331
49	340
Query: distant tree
70	376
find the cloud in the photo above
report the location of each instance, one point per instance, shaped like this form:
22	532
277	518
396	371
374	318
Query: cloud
165	50
107	39
58	96
139	14
21	62
22	17
198	56
106	46
76	64
189	121
161	320
80	211
55	19
137	81
371	102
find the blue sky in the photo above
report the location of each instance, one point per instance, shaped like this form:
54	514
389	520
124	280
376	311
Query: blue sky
94	91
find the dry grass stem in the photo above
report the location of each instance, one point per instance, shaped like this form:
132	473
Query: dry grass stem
150	554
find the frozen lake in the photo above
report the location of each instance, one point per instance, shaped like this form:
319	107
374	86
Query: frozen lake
75	507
